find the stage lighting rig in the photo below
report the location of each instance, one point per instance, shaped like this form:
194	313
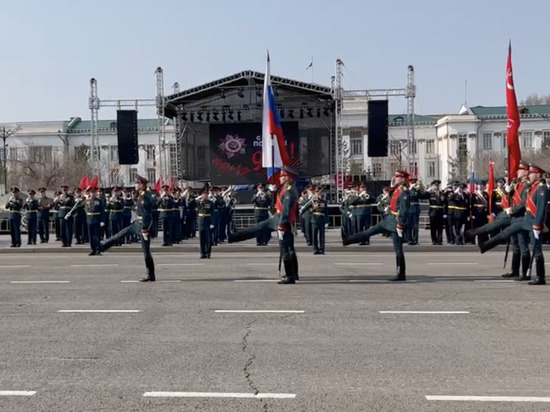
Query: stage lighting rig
208	116
239	115
291	114
199	116
184	117
215	116
240	93
318	113
230	116
192	117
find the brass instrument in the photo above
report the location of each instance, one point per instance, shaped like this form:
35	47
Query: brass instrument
383	202
46	202
313	200
78	201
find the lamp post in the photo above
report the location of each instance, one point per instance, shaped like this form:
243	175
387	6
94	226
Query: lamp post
4	134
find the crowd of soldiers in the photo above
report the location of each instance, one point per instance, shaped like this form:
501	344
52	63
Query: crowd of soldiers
174	209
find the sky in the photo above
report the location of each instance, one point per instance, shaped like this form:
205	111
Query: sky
51	49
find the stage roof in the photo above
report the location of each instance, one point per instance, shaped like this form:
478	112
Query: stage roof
244	79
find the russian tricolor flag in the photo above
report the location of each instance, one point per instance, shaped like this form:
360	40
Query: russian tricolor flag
274	151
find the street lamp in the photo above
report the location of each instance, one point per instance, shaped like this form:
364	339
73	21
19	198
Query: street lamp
4	134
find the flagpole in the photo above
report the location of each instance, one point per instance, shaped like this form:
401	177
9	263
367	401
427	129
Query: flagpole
273	159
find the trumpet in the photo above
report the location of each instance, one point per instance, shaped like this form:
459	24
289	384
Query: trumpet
228	191
314	199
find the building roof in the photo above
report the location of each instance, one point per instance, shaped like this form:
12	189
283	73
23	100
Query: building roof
78	125
420	120
499	112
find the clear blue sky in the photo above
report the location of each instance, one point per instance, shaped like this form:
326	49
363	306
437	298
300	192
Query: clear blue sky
51	49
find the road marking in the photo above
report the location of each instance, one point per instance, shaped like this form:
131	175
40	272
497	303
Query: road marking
17	393
259	311
40	281
220	395
256	280
94	266
374	281
425	312
452	263
181	264
14	266
157	281
99	311
489	398
261	264
358	264
496	281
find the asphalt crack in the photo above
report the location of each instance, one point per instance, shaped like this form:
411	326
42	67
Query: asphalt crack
250	361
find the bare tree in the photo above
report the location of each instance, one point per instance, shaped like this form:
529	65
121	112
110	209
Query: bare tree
534	99
481	164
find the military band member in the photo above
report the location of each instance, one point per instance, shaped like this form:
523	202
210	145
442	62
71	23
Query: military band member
306	216
262	203
497	195
15	206
345	204
66	202
458	206
205	207
361	210
536	198
393	223
55	213
176	215
319	220
80	225
96	216
218	215
416	192
115	209
44	206
166	204
479	204
31	207
141	227
129	207
436	211
191	214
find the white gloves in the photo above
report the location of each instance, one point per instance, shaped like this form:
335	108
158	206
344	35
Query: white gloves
280	233
399	232
508	188
444	216
536	233
211	226
508	210
102	224
326	225
145	236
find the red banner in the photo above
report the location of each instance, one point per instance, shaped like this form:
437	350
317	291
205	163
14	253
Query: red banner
491	188
512	112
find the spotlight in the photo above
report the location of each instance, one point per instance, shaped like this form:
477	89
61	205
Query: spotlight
239	115
230	116
291	114
281	113
199	116
208	117
325	112
192	117
310	112
184	117
259	92
215	116
318	113
240	93
301	113
223	117
222	94
246	108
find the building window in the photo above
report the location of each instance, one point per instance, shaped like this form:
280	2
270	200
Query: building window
97	152
546	139
113	153
152	174
150	151
394	167
527	139
487	141
173	160
40	154
395	148
430	146
133	174
504	143
14	153
377	169
356	142
201	153
431	169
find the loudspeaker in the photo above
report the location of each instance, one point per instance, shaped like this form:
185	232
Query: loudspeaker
378	128
127	136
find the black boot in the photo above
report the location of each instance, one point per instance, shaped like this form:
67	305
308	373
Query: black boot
401	270
525	263
541	277
514	272
288	277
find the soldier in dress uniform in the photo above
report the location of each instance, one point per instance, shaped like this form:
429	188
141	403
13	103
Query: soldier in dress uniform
96	216
497	195
438	205
141	227
115	209
66	202
129	206
361	211
319	217
79	212
306	216
31	207
44	206
347	223
191	214
459	210
205	208
479	204
166	204
55	212
15	205
546	237
416	191
217	217
536	198
176	215
394	223
262	203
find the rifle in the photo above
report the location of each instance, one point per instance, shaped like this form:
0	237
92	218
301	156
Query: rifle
506	254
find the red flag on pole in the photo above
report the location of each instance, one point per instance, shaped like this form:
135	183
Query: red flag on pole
158	185
491	188
512	112
84	182
94	182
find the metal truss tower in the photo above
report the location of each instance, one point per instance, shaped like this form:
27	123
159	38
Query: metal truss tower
338	150
94	105
160	103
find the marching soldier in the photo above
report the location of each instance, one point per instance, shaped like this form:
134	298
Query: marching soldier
15	205
66	202
166	204
262	203
393	223
306	216
479	204
141	226
80	225
458	206
438	204
205	209
31	206
536	198
416	192
96	215
361	210
319	216
115	209
191	214
44	206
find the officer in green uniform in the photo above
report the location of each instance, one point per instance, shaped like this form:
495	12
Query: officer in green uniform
44	206
262	203
166	204
115	209
31	206
94	207
66	202
15	205
361	210
80	224
205	209
319	219
394	223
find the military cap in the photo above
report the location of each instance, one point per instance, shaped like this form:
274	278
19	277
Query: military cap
15	189
64	186
435	182
401	173
456	183
41	189
32	192
289	171
141	180
165	187
523	165
500	179
535	169
464	185
77	189
481	182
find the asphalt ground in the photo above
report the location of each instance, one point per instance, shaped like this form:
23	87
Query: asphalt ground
347	339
